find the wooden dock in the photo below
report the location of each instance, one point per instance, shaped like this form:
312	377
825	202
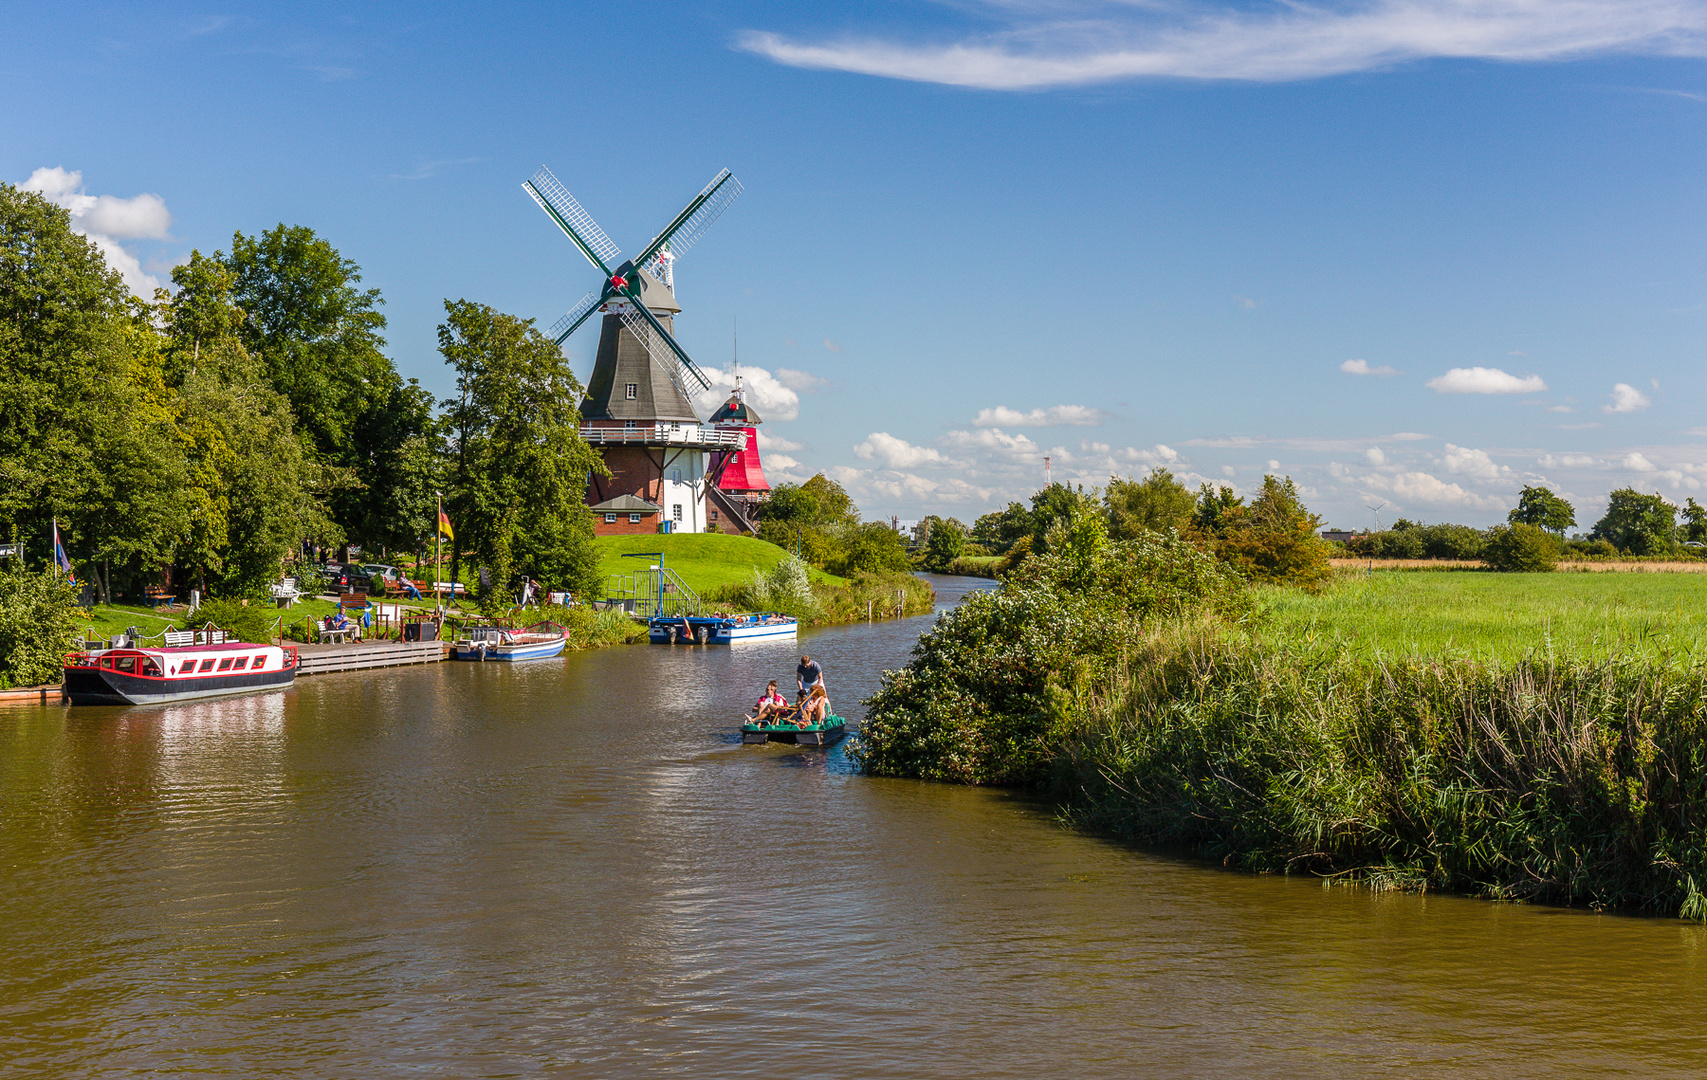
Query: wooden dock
324	659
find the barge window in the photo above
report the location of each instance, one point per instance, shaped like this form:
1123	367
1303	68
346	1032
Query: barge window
259	663
225	665
107	662
126	664
242	662
150	668
207	665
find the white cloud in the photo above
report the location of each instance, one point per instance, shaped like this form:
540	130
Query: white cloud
1474	463
1361	367
1626	399
1374	456
1565	461
896	453
1228	470
1054	416
1481	380
1560	409
107	219
832	346
800	381
779	461
1637	463
993	439
765	393
1273	465
768	441
1046	45
1429	490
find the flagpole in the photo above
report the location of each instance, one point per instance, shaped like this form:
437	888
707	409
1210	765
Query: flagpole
438	545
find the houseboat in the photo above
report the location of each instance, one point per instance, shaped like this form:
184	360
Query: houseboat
502	643
144	675
720	629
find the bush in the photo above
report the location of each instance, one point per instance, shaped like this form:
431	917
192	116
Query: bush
1520	548
787	588
251	623
39	621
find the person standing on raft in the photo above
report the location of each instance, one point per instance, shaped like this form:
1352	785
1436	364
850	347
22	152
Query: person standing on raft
808	675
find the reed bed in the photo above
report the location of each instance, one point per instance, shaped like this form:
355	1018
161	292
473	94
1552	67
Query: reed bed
1552	780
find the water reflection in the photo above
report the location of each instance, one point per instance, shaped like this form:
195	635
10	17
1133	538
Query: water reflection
573	869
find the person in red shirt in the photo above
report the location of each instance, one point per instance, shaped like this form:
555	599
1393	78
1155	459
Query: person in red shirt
770	704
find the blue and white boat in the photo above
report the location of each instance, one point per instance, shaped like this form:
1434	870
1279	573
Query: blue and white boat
721	629
500	643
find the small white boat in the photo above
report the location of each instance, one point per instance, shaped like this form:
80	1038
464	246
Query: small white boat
720	629
498	643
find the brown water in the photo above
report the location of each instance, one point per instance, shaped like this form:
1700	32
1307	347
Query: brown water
575	869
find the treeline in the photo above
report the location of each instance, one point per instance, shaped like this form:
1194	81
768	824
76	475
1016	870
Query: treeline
250	414
1635	524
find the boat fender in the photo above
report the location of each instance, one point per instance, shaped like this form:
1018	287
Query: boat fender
703	633
670	631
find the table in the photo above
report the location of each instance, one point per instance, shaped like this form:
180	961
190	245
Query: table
337	636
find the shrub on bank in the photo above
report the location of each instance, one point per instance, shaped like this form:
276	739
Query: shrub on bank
1520	548
1555	781
39	620
252	622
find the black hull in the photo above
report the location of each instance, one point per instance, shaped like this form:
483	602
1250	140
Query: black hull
97	686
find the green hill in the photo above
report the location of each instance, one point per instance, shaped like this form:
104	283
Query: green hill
704	560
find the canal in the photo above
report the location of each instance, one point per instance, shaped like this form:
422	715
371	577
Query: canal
575	869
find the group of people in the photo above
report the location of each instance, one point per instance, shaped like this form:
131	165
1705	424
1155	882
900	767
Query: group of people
812	706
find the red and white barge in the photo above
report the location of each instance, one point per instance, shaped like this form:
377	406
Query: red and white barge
151	676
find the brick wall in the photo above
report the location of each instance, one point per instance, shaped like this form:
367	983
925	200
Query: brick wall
622	526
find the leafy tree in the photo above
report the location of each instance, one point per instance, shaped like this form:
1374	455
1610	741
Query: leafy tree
790	503
84	418
1052	504
519	477
1522	548
999	529
1542	508
834	506
943	545
1274	538
402	463
1156	503
1695	521
1638	524
872	548
39	618
1210	514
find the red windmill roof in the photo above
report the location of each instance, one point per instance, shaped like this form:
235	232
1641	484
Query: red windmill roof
745	473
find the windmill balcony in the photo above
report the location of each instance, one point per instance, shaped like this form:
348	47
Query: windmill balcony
665	435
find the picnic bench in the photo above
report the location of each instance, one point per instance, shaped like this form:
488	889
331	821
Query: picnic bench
455	588
156	595
285	593
337	636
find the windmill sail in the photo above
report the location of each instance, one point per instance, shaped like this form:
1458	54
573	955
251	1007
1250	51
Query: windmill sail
680	370
691	224
555	200
576	315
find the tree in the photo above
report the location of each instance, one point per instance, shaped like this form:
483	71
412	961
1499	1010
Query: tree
38	620
1521	548
790	503
999	529
834	505
943	545
1638	524
1055	503
872	548
520	470
1156	503
1274	538
85	431
1695	521
1209	515
1540	507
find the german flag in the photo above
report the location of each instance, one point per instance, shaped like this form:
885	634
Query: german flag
444	526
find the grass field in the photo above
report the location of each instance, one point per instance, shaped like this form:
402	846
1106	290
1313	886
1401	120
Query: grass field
704	560
1495	616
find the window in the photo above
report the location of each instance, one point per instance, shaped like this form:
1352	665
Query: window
207	665
258	663
242	662
225	665
629	425
631	391
150	668
126	664
610	519
675	425
714	515
634	519
676	512
675	476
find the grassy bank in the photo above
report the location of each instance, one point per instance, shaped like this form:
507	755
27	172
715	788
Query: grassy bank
1492	617
1534	737
1567	781
984	566
705	561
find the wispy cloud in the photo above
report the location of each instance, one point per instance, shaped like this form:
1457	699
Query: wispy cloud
1626	399
1482	380
1048	43
1053	416
1361	367
429	169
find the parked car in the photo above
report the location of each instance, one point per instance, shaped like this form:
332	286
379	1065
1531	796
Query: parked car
348	577
390	573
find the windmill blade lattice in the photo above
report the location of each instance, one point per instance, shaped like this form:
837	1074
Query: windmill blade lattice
555	200
680	371
690	225
576	315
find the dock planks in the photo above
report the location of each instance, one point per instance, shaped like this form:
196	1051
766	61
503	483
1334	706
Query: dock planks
325	659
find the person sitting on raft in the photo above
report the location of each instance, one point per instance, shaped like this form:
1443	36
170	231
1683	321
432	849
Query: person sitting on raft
817	708
769	705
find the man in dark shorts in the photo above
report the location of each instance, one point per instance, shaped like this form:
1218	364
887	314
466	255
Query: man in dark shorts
808	675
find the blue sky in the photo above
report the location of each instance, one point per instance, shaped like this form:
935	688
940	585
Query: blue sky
1414	253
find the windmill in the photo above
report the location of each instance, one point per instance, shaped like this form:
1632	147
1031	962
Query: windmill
629	284
1376	512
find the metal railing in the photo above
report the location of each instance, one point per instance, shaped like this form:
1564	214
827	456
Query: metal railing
716	438
652	592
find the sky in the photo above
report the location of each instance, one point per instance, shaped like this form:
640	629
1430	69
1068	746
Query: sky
1414	254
